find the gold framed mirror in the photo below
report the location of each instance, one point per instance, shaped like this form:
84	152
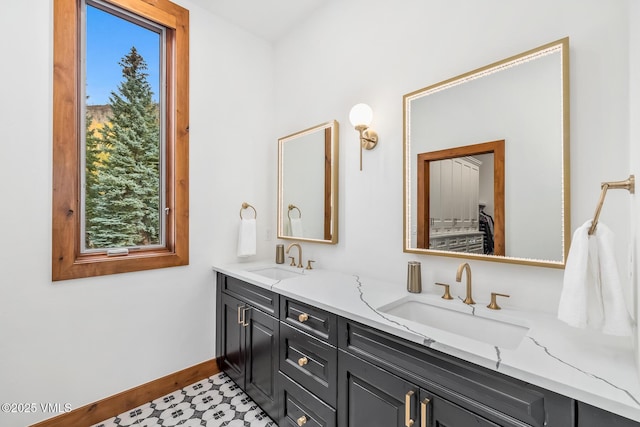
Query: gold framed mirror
308	184
486	162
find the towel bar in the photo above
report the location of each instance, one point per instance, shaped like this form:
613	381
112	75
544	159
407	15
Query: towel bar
291	207
246	205
628	184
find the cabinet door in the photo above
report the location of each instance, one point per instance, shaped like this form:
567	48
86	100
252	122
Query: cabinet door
590	416
262	335
231	340
438	412
370	396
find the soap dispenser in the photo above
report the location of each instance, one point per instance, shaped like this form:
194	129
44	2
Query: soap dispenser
414	277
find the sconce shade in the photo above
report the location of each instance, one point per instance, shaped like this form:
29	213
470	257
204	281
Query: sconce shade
361	114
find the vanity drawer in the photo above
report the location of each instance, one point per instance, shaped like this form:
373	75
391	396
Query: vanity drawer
478	389
310	362
312	320
256	296
299	407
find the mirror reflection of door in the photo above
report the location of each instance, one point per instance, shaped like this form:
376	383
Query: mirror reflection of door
461	199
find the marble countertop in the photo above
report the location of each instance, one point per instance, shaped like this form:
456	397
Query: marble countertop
591	367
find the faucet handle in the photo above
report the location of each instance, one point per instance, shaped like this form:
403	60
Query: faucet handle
493	305
309	264
446	295
293	261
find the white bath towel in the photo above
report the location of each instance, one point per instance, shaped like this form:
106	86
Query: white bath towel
592	294
247	237
295	226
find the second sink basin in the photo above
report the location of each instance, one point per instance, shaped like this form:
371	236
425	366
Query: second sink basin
479	326
276	273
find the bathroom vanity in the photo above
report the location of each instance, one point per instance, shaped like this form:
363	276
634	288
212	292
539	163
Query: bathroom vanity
322	348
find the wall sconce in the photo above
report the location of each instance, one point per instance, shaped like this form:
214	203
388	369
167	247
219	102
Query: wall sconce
360	117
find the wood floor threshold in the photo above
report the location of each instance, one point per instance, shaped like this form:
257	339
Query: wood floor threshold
118	403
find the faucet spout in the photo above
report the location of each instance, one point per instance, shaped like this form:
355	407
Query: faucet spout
461	268
299	253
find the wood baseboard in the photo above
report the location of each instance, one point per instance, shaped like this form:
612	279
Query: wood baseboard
111	406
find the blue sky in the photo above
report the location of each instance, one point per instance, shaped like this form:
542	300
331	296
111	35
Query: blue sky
109	39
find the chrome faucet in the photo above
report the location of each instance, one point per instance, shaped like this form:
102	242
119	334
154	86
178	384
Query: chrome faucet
299	254
461	268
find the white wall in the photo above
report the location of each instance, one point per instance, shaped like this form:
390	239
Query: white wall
634	147
421	43
82	340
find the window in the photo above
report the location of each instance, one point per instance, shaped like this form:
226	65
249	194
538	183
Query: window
120	159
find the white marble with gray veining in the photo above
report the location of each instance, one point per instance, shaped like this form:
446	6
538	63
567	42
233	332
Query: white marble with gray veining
591	367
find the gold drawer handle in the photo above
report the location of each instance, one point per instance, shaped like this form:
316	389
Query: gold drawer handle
408	422
242	312
303	317
303	361
244	316
423	411
302	420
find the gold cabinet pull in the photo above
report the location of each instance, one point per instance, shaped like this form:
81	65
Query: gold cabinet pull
303	361
244	316
423	411
302	420
408	422
240	320
303	317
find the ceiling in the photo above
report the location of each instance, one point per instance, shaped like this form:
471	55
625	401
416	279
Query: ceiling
268	19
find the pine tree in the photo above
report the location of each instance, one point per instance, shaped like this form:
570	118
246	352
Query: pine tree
127	188
92	169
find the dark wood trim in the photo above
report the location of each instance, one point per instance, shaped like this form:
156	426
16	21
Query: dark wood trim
118	403
67	260
498	150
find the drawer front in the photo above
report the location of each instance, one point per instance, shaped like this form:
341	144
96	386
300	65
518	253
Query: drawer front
312	320
299	407
461	382
310	362
260	298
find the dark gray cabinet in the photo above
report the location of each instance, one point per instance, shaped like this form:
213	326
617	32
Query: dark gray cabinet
247	343
496	397
307	366
310	362
300	407
371	396
589	416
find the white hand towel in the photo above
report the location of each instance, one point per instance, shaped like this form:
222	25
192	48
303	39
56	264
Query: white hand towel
592	292
247	237
295	225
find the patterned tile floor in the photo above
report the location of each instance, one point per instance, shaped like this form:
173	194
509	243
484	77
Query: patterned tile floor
212	402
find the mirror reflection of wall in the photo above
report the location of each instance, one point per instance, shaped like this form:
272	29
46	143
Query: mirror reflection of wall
307	187
304	157
521	100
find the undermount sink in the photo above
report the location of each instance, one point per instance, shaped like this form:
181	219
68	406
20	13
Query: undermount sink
276	273
479	326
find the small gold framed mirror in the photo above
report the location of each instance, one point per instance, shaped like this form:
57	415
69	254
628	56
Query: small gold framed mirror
308	184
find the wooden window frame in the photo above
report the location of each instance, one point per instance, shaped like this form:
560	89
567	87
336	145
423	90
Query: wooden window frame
67	260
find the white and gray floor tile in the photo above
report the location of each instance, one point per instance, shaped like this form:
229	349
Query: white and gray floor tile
213	402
